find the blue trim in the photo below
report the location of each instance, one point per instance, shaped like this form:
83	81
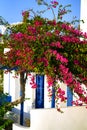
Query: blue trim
39	102
22	113
3	67
8	98
7	68
53	98
69	97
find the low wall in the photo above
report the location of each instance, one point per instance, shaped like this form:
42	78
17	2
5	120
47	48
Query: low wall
73	118
19	127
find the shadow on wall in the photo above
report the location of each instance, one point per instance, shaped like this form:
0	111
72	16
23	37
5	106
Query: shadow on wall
26	121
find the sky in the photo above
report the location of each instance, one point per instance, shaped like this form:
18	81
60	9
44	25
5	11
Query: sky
11	10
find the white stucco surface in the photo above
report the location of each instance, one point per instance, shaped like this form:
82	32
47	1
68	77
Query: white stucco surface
83	15
19	127
73	118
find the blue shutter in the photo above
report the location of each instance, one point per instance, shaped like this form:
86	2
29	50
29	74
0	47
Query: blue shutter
39	103
69	97
53	98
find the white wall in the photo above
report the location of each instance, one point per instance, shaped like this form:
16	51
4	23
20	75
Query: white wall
2	29
73	118
11	85
18	127
83	15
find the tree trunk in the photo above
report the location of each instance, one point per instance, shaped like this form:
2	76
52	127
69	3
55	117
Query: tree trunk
22	86
22	90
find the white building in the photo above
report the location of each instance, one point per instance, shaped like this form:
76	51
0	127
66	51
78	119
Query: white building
12	85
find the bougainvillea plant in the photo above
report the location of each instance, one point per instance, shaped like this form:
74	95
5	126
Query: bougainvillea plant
48	47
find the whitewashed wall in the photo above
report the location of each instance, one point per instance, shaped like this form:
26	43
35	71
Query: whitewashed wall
2	29
83	15
73	118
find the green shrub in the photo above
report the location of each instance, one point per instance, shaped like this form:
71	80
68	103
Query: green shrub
4	108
